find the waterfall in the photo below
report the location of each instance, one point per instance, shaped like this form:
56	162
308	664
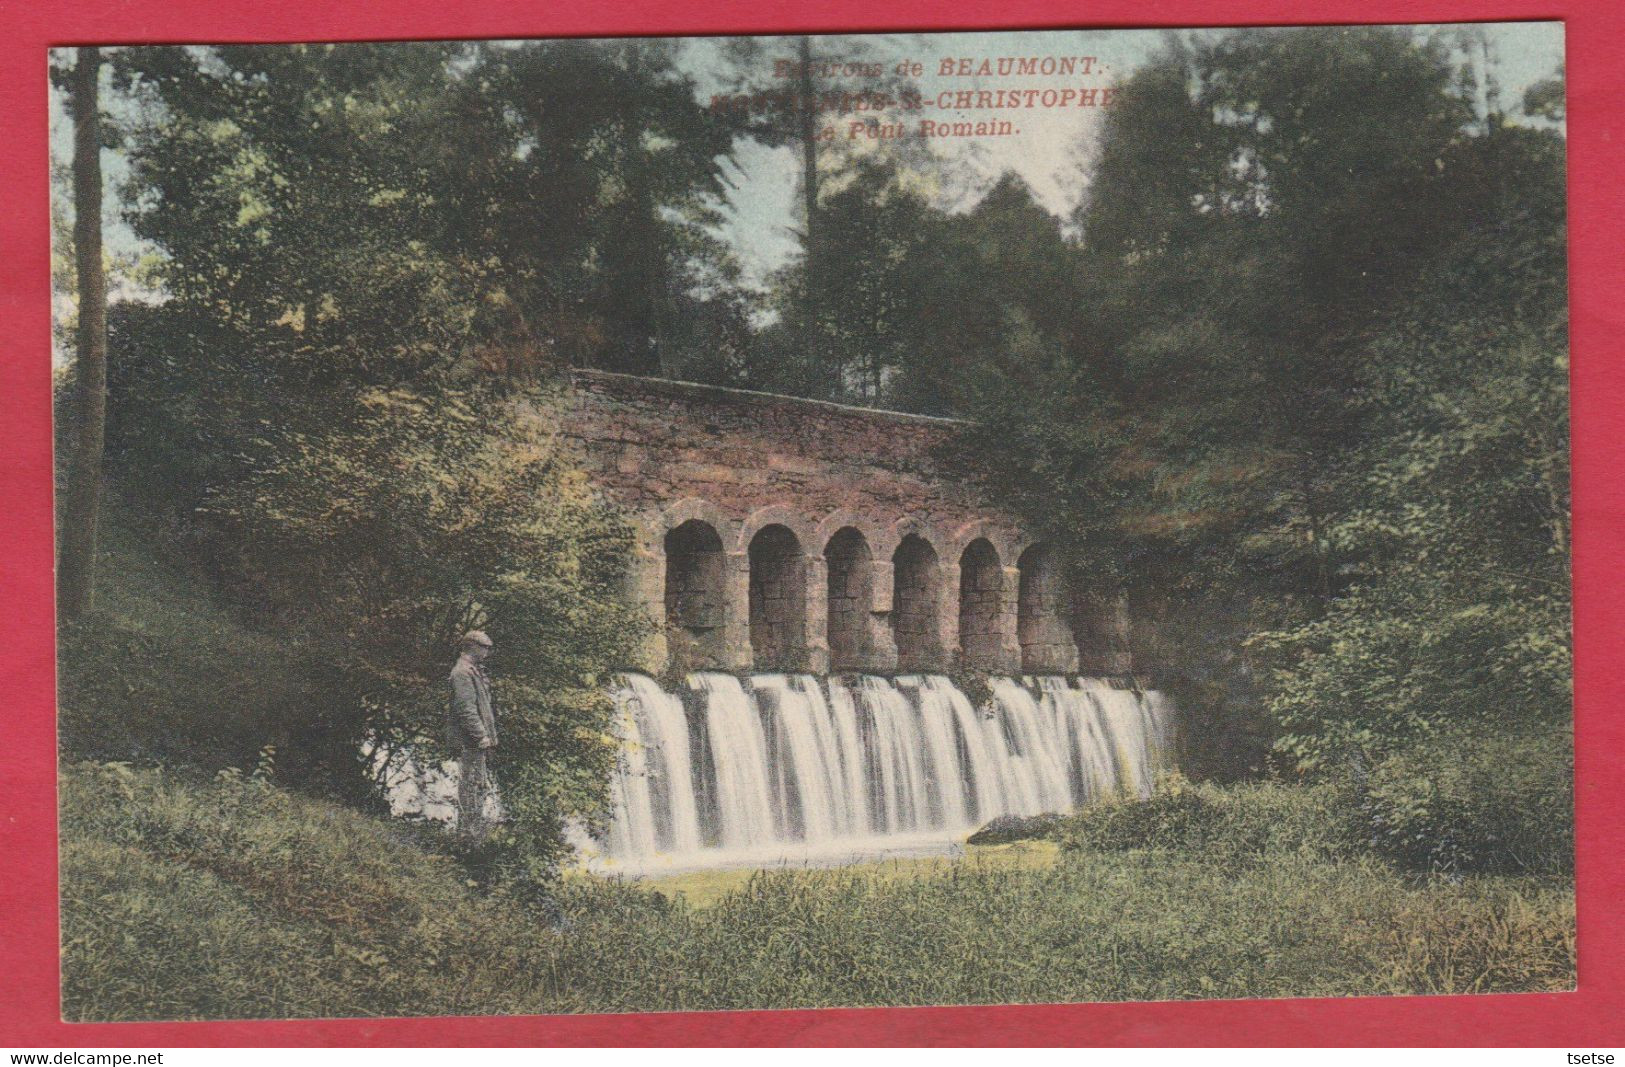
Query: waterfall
737	769
794	768
1036	749
652	794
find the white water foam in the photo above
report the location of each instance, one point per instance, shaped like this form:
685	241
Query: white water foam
793	769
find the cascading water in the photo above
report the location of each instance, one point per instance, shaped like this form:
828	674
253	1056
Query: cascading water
654	778
792	768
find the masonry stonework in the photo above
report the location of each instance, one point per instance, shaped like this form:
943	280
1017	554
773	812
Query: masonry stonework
790	534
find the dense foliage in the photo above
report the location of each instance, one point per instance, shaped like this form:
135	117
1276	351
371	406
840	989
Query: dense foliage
163	673
547	203
1313	418
431	515
1244	824
1474	800
341	407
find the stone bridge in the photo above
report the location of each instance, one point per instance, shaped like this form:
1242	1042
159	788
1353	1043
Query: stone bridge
785	534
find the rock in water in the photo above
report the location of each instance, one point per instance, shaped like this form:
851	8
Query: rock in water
1007	828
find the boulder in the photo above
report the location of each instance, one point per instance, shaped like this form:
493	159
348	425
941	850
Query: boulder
1007	828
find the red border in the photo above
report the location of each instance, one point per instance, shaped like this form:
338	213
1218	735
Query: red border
28	977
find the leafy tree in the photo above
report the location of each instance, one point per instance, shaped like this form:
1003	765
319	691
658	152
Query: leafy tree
1546	99
1458	607
813	100
443	509
600	195
1011	280
373	255
852	306
1295	389
787	100
910	307
551	201
1308	202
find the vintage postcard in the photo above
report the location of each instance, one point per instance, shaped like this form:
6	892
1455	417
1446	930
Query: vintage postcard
650	524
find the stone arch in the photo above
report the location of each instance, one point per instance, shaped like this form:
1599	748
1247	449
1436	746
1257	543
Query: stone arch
850	583
695	594
880	536
778	598
776	515
1047	643
941	542
999	538
981	606
916	604
693	507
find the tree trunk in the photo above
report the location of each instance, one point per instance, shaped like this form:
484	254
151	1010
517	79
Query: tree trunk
829	379
809	141
76	565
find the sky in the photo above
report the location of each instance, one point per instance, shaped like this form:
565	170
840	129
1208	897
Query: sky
1049	151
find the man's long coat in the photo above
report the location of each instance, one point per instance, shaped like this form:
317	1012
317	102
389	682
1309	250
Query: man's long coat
470	722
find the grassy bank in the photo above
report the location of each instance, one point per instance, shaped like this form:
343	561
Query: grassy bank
232	898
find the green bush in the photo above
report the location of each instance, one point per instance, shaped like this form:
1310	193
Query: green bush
371	528
1474	801
1463	801
1242	823
1177	815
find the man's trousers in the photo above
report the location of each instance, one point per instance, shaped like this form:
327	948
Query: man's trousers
473	783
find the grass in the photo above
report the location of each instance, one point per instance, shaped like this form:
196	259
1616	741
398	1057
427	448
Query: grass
185	899
704	889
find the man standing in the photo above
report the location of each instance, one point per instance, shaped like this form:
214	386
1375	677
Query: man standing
471	728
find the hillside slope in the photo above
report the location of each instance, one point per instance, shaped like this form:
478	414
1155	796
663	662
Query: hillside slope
164	672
